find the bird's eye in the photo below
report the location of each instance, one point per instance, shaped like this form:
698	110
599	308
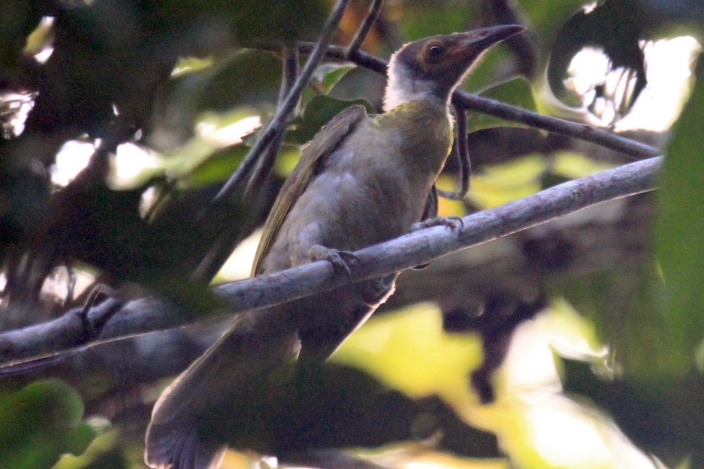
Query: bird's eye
435	51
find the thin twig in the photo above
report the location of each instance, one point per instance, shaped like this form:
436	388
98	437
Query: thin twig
365	27
420	247
291	69
288	80
462	143
318	51
217	255
506	111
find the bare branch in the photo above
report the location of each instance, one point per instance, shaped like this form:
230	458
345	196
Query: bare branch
596	135
463	155
288	80
414	249
317	52
510	113
221	249
365	27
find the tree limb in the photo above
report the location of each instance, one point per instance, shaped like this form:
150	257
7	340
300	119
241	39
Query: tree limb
421	247
317	52
505	111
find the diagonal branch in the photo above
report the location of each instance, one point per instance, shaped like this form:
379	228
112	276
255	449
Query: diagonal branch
506	111
288	80
365	27
220	250
277	123
421	247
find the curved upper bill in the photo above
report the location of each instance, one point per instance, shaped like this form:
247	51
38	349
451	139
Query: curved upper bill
478	40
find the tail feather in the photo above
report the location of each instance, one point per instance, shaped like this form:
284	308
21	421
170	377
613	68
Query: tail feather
179	435
171	447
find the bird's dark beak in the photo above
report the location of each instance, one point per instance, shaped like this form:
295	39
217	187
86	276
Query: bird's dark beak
479	40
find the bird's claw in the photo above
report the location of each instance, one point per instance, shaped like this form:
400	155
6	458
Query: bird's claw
341	260
454	223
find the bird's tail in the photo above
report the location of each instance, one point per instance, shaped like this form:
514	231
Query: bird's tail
179	435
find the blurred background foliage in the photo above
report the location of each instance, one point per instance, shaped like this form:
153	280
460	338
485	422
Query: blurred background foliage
574	344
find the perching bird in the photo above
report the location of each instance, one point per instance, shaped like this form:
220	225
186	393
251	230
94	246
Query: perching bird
363	180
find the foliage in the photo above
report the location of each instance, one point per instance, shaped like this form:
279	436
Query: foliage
41	422
175	78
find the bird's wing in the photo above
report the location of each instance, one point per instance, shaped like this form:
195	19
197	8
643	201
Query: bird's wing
324	143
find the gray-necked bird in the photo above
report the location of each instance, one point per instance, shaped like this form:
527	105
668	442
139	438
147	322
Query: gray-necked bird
362	180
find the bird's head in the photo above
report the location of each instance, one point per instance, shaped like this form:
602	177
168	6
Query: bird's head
433	67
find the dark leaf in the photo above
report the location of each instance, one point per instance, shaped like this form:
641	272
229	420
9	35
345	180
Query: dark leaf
663	417
335	406
317	113
616	27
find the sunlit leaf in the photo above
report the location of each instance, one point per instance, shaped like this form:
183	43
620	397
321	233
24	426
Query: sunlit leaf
573	165
410	351
503	183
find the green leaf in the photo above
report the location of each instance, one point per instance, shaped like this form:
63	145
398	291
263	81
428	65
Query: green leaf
328	74
680	232
217	167
249	78
360	83
517	92
83	435
317	113
40	423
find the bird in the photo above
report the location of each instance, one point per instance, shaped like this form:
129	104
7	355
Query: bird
362	180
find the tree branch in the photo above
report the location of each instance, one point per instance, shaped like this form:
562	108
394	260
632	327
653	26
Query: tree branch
288	80
421	247
507	112
317	52
365	27
465	163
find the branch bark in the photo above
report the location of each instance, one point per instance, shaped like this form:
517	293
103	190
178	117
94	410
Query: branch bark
148	315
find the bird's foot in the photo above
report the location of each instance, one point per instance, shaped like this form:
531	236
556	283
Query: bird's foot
454	223
341	260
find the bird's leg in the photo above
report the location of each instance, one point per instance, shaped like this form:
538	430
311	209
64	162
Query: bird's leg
430	215
430	218
341	260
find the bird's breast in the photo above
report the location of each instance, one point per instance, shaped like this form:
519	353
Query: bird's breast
419	136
